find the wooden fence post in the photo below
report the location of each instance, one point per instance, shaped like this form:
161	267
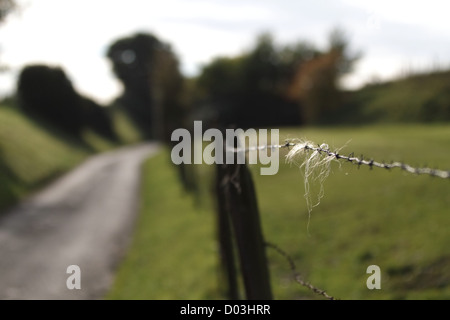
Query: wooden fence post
240	203
225	237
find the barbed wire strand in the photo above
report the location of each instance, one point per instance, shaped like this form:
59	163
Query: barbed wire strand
444	174
297	277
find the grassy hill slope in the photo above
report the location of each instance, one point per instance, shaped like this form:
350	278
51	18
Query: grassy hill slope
417	98
32	155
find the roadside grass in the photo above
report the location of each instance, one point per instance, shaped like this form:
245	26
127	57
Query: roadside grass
32	155
174	253
396	220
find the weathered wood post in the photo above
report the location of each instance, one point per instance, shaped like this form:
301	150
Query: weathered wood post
225	237
240	203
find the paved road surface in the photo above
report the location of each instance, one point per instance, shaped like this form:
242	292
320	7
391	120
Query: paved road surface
85	219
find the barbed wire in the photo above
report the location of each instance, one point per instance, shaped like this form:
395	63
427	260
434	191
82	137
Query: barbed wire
297	277
321	156
307	146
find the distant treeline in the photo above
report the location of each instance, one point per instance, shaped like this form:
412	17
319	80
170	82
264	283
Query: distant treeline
275	85
268	85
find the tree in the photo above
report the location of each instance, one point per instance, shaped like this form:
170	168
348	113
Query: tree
132	61
6	7
315	84
277	85
152	83
338	42
261	72
220	88
46	93
249	90
314	87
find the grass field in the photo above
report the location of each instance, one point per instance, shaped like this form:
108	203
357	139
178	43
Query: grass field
392	219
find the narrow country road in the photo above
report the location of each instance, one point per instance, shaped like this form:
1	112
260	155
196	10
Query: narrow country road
85	218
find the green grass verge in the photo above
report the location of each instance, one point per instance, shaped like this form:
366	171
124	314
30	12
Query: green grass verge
174	253
30	156
396	220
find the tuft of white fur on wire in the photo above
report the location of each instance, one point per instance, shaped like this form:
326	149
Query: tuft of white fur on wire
315	165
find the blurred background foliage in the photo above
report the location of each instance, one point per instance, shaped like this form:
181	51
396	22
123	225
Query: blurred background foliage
268	85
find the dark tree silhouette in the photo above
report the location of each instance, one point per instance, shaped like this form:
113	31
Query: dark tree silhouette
152	83
154	96
47	94
249	90
272	85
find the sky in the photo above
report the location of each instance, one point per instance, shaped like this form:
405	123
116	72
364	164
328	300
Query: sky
392	36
